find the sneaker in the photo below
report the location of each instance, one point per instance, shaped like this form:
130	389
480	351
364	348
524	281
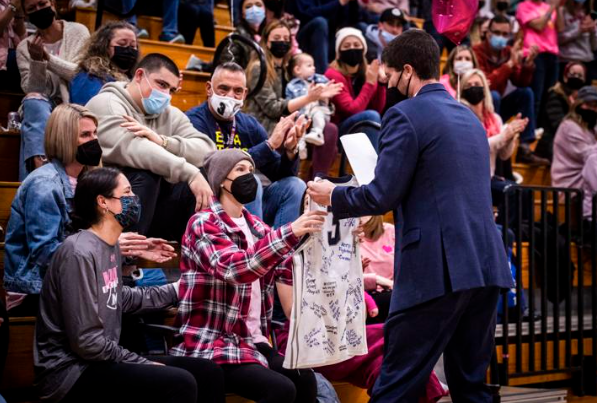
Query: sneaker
303	152
315	137
539	133
526	156
197	64
178	38
142	34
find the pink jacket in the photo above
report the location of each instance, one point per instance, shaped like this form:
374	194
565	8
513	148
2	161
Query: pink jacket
372	96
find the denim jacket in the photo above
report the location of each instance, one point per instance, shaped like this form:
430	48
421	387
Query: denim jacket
298	87
39	219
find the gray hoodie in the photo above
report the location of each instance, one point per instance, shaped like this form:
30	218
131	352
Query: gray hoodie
178	162
81	305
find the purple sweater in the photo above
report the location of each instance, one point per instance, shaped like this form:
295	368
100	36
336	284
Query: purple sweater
571	148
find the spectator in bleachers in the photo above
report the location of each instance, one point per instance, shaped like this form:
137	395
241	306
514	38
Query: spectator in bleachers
110	55
230	266
422	9
269	104
377	252
502	138
392	23
251	24
557	105
319	21
540	23
575	140
197	14
156	145
12	32
77	354
578	38
363	96
475	94
40	218
460	60
503	64
220	117
589	178
501	8
47	63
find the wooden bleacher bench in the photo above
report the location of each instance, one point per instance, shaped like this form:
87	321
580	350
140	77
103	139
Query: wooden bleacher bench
193	90
180	54
533	175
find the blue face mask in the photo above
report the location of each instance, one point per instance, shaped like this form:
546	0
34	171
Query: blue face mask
498	42
255	15
157	101
388	37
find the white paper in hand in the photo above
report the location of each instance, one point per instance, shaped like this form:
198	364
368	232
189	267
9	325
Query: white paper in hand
361	155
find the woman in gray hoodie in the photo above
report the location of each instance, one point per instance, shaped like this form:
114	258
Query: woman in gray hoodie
76	353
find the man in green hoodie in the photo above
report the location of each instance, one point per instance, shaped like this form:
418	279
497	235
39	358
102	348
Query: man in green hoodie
155	145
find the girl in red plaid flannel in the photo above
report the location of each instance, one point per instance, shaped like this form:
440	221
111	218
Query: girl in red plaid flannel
230	263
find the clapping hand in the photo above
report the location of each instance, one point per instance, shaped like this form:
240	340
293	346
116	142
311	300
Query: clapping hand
295	133
36	49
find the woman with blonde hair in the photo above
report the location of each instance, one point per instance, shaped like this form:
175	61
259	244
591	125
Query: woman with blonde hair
475	93
40	212
269	104
110	55
460	60
362	96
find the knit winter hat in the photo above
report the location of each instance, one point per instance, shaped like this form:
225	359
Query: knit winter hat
587	93
218	165
344	32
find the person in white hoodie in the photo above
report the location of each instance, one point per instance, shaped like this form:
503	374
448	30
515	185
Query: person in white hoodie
155	145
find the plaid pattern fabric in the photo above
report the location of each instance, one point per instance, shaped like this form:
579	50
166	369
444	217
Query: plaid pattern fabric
217	269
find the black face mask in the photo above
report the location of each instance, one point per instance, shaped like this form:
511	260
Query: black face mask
394	96
351	57
89	153
502	5
474	95
279	48
125	57
588	116
43	18
575	83
244	188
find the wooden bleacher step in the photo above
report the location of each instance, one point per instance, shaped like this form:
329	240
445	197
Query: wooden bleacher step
153	25
533	175
527	395
179	53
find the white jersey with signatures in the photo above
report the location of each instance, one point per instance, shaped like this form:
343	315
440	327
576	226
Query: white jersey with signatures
327	323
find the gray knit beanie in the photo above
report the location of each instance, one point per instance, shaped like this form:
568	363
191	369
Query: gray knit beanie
218	165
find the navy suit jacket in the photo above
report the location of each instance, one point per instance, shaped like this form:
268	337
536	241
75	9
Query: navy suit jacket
433	172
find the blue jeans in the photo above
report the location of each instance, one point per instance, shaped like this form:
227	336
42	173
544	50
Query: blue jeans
521	101
280	202
372	133
36	113
545	77
169	17
198	13
313	39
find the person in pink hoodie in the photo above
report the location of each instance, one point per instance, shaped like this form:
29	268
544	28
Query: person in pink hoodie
363	96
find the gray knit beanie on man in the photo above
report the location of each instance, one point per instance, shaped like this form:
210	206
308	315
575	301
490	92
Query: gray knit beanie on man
218	165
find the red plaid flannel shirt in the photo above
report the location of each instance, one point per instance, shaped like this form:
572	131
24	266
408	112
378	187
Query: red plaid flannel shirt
217	269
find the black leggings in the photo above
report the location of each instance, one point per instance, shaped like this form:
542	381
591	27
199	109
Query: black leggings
182	380
271	385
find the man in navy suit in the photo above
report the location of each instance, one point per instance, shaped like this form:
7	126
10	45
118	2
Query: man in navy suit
433	172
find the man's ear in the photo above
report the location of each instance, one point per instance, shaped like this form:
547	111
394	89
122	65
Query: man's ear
208	89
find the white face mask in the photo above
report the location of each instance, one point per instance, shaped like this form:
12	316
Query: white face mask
225	107
462	66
